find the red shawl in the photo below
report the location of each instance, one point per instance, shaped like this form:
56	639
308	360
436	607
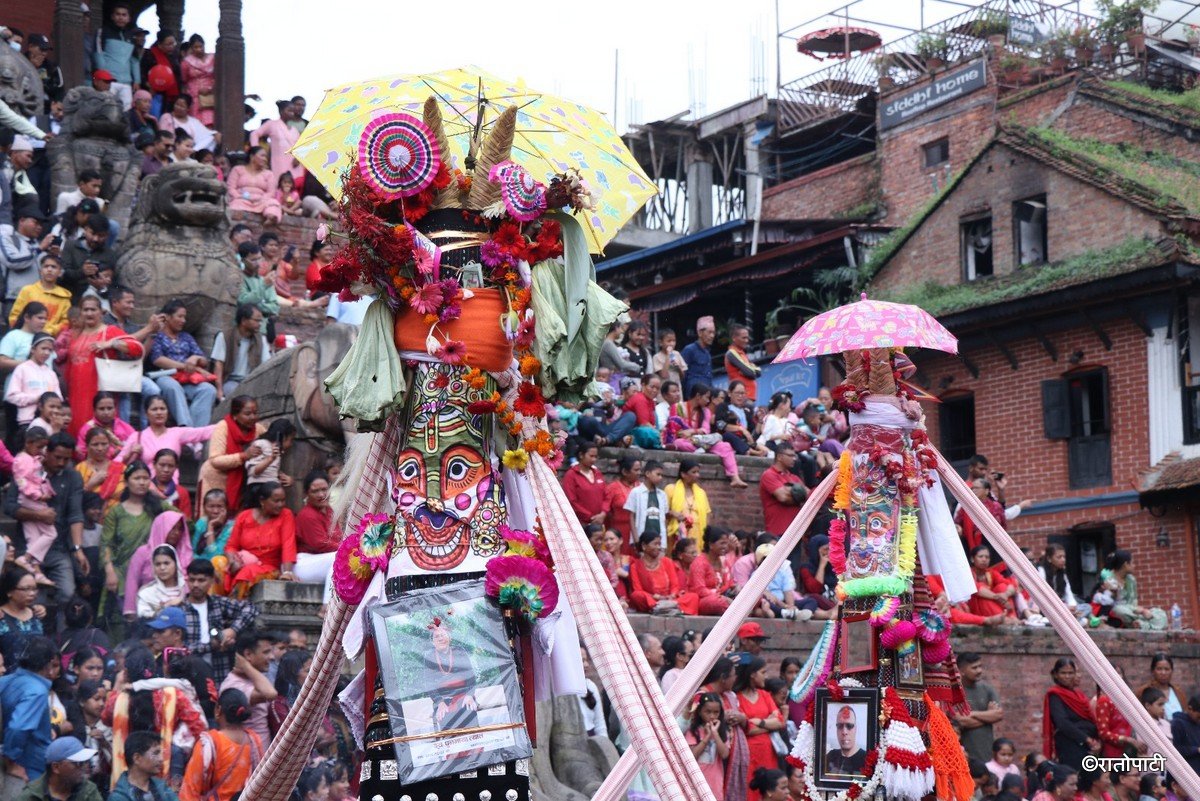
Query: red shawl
1075	701
236	441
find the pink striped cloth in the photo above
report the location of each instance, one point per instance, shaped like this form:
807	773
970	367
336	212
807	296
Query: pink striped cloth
613	646
1067	627
713	647
287	755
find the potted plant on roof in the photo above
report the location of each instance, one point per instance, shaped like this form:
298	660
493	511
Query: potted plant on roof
932	50
885	65
1083	42
993	26
1013	68
1055	52
1126	18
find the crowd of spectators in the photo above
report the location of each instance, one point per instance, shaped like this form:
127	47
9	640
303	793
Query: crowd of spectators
123	593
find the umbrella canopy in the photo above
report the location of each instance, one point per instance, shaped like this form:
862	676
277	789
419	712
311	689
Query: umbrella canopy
868	324
840	42
552	136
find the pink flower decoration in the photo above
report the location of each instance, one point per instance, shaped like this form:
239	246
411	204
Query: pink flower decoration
522	583
453	352
427	299
525	333
322	232
351	574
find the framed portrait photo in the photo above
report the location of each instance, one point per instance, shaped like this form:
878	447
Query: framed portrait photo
846	731
859	644
450	680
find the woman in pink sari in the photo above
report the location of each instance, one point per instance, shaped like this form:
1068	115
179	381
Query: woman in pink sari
281	137
198	69
252	187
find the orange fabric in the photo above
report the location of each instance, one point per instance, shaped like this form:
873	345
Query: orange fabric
478	327
952	775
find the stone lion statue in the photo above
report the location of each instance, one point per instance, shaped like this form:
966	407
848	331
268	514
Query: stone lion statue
20	84
178	247
95	135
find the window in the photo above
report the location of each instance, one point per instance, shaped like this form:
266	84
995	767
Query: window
936	153
1029	230
977	248
1086	545
956	422
1075	408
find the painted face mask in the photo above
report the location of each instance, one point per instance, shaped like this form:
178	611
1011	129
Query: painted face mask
448	496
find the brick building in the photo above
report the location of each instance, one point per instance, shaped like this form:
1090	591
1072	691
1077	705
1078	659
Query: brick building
1061	253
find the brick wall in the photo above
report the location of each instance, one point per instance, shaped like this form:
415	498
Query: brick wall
1008	430
1001	177
824	194
905	182
1008	654
30	17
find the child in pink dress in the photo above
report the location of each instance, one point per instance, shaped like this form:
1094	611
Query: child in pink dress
34	490
708	736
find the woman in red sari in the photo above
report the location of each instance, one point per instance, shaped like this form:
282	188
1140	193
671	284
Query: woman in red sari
93	339
993	594
707	576
263	542
762	716
654	578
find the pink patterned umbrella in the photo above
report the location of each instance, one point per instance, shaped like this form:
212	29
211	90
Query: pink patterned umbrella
865	325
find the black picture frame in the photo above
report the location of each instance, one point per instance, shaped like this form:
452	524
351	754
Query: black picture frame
910	669
836	771
859	651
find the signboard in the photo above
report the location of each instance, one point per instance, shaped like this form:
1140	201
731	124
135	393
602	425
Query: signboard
1025	31
801	378
945	87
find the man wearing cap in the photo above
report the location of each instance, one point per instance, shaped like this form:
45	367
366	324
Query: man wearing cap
751	638
20	156
66	776
102	81
698	357
847	759
37	50
26	714
20	251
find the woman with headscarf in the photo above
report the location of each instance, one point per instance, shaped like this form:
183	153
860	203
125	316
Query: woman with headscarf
168	528
817	578
1068	727
167	588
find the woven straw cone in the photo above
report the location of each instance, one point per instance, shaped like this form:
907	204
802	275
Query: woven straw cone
496	148
856	376
448	198
881	381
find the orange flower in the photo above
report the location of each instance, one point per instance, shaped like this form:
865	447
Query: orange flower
407	291
430	319
475	378
530	365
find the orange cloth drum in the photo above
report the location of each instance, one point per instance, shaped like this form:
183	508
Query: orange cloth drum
478	327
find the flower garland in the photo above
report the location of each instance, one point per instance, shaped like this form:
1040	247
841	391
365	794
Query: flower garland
361	554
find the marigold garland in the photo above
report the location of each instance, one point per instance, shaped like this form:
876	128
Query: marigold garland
841	495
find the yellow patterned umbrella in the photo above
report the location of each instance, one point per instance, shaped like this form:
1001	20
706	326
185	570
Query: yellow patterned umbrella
552	136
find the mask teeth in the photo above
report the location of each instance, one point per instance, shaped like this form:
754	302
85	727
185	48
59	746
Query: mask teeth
432	114
496	148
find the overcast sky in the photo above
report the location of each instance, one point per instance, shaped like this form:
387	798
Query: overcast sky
703	55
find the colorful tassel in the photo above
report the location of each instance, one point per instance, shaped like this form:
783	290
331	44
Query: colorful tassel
932	626
899	632
908	770
952	777
906	558
841	495
936	652
874	585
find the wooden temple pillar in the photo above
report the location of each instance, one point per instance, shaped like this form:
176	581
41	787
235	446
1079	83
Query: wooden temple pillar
231	74
68	40
170	18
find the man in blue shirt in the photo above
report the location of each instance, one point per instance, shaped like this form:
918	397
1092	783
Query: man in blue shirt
698	357
26	713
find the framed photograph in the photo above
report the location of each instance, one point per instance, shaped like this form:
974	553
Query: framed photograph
859	645
910	671
847	730
453	692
